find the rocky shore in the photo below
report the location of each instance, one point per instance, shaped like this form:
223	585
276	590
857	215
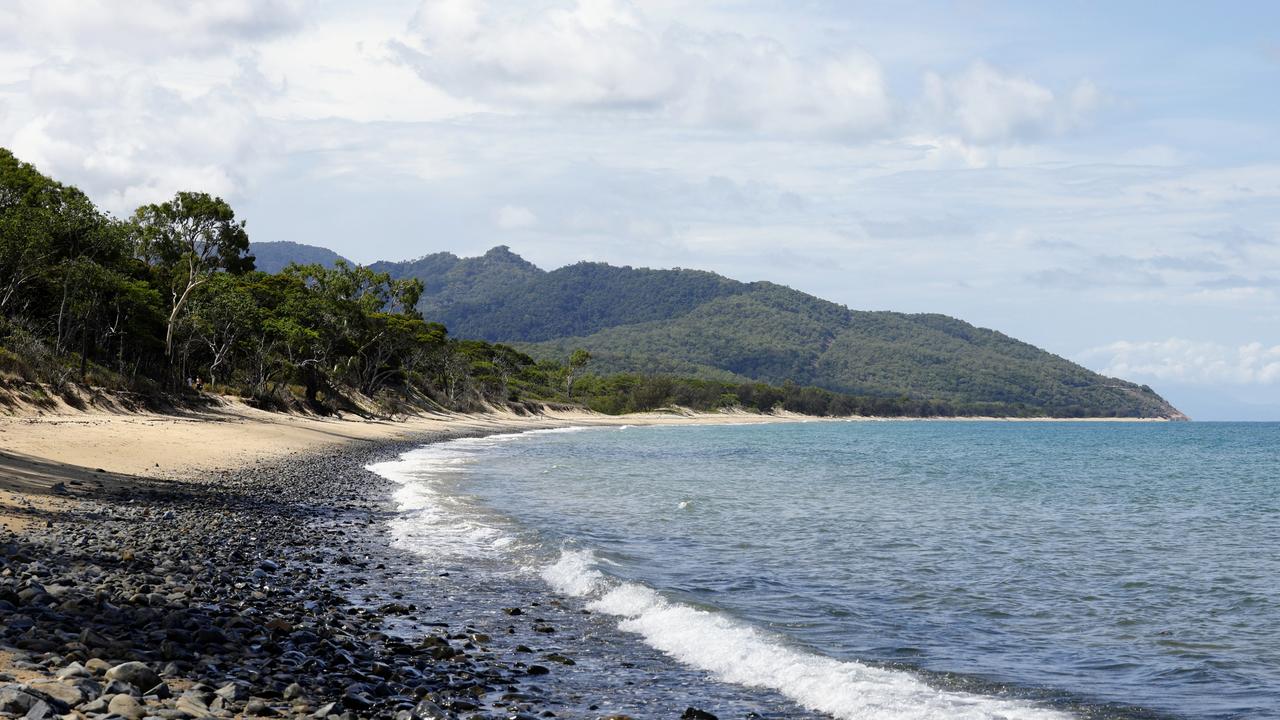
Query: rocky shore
237	594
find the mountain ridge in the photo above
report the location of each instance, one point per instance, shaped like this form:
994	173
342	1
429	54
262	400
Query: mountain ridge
272	257
696	322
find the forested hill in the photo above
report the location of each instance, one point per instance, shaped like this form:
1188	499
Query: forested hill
500	294
691	322
272	257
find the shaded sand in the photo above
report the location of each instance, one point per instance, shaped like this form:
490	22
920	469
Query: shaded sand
33	491
19	674
50	461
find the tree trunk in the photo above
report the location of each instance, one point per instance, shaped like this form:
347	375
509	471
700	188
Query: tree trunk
178	305
84	353
62	311
312	381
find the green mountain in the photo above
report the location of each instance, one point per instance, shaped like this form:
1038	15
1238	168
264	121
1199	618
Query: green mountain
502	295
692	322
272	257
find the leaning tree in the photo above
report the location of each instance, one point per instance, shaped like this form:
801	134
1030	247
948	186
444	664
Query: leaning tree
186	240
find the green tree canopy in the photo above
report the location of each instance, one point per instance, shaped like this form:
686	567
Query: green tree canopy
188	239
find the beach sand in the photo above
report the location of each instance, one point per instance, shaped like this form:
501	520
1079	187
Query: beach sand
50	460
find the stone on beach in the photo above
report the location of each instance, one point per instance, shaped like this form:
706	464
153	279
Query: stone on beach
64	692
136	674
126	706
20	700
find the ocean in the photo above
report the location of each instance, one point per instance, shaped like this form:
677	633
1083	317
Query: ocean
901	569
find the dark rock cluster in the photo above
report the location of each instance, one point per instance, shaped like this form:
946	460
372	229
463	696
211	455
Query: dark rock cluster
233	596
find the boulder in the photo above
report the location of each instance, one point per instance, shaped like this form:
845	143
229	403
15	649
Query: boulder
18	700
258	708
427	710
63	692
136	674
233	692
74	670
126	706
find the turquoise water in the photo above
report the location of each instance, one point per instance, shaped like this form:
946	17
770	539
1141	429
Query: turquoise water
906	569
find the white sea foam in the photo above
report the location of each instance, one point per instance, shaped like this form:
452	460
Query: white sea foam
738	653
547	431
435	524
430	522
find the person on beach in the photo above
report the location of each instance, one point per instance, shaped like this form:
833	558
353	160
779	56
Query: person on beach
199	384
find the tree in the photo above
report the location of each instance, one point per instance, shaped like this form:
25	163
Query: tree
88	247
354	321
42	222
222	313
577	361
392	346
186	240
508	362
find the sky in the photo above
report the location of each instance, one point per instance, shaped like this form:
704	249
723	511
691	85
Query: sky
1099	179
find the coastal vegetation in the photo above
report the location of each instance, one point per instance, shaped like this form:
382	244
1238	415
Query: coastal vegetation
170	298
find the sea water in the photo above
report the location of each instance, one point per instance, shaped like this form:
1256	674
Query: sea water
897	569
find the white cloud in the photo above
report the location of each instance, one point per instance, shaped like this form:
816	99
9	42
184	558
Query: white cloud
340	67
985	105
128	138
1083	103
514	217
145	28
606	56
1186	361
135	101
1207	187
595	54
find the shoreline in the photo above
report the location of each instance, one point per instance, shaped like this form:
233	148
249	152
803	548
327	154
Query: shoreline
49	459
275	589
235	540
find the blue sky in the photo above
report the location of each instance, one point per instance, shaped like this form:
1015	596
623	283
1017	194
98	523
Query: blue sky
1100	179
